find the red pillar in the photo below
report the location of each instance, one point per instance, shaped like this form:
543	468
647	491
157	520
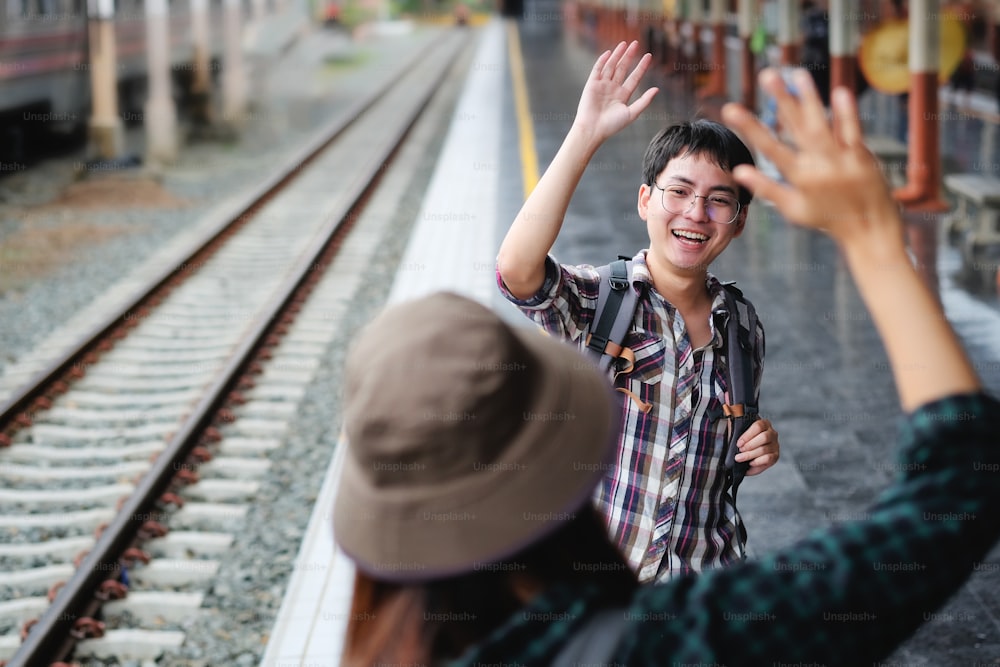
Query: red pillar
922	191
746	15
748	76
843	72
789	32
716	84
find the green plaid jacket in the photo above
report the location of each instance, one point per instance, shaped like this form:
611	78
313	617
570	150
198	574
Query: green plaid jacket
847	595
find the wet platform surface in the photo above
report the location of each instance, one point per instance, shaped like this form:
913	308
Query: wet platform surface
827	385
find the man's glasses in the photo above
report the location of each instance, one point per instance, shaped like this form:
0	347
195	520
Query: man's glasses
678	199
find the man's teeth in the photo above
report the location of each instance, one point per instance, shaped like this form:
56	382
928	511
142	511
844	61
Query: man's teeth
694	236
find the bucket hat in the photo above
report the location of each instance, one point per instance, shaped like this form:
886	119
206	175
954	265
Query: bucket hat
468	439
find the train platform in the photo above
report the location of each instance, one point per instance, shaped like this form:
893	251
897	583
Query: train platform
827	386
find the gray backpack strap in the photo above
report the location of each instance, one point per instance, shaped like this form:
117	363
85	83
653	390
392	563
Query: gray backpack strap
595	641
616	303
742	410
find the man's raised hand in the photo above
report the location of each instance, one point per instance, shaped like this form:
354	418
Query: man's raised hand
604	107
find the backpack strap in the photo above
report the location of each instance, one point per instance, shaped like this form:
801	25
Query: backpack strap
741	408
616	304
595	641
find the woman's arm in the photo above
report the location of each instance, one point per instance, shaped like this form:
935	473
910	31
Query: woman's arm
833	183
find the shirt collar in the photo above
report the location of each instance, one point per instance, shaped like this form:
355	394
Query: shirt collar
641	277
640	274
720	314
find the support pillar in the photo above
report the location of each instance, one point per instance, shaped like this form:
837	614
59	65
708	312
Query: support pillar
696	64
746	13
922	191
234	84
160	115
844	40
622	32
106	137
716	84
201	76
789	32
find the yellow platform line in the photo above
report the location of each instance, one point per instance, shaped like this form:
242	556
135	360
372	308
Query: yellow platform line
525	128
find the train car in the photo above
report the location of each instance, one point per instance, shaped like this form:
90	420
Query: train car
44	63
43	55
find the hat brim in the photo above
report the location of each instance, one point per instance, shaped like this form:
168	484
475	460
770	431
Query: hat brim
548	471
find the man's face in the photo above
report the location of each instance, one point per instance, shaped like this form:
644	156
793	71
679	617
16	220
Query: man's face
687	241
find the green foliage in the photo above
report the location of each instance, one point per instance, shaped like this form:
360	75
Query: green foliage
354	13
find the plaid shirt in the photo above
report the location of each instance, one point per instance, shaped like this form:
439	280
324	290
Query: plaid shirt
845	596
666	502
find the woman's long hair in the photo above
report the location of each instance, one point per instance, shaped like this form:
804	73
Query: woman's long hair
428	622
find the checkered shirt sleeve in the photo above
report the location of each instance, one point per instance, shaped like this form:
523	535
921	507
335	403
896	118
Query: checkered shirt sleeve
564	306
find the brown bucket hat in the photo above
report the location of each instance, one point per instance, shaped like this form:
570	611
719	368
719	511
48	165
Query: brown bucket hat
467	439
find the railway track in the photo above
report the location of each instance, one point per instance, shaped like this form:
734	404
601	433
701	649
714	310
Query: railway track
121	434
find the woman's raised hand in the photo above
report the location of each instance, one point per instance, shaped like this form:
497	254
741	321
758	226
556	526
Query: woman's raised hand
832	182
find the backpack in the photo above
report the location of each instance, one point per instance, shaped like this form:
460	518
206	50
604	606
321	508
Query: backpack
616	304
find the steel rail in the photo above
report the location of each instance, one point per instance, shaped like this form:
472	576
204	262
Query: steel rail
16	410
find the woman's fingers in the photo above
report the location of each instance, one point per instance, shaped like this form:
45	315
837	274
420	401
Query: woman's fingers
845	117
773	84
759	136
809	108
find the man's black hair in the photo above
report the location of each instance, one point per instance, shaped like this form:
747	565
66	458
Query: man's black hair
697	137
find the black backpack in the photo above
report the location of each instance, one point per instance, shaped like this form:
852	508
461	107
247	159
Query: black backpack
616	304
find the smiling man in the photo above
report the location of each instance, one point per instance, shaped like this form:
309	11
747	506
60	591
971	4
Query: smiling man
665	498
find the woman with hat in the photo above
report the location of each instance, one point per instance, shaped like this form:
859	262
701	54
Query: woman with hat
464	500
